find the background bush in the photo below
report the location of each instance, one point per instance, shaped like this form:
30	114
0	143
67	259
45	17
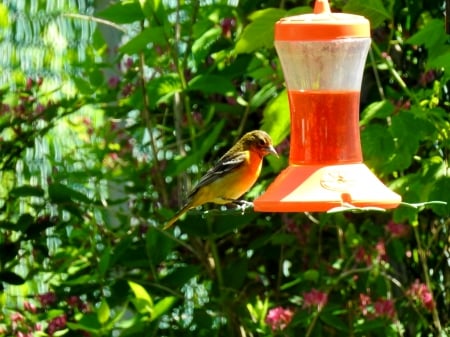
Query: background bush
112	110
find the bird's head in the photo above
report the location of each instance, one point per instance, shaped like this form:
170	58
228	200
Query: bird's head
260	142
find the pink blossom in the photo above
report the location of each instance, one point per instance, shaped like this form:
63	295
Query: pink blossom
397	230
384	308
420	292
16	318
315	298
361	256
30	307
113	82
364	302
47	298
381	250
128	63
57	323
279	318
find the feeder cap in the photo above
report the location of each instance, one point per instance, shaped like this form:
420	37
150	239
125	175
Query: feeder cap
322	25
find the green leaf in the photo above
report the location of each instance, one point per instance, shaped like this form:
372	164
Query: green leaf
24	221
163	306
266	92
201	46
212	84
88	322
378	146
11	278
432	35
60	193
311	275
178	277
260	32
373	10
143	302
27	191
158	245
103	312
441	61
333	321
276	118
104	261
162	89
380	109
4	16
235	274
369	325
127	11
154	10
441	192
154	35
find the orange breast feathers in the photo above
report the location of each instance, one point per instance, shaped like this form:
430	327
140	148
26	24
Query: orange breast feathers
232	185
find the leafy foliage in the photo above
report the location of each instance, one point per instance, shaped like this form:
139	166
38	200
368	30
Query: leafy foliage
98	152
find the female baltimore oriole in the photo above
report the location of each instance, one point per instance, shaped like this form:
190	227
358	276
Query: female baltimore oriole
232	176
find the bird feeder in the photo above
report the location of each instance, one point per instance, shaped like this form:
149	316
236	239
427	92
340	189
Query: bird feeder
323	56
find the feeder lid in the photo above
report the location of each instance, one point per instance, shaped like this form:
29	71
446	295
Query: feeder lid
321	25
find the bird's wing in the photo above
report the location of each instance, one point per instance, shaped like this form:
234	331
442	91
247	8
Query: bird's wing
226	164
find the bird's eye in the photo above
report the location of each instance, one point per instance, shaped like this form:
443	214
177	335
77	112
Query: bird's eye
261	142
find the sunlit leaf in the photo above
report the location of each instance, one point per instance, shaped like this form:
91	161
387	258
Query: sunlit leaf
374	10
140	42
380	109
103	312
163	306
142	301
212	84
276	118
127	11
260	32
4	16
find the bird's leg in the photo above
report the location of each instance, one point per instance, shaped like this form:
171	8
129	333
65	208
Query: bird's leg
242	204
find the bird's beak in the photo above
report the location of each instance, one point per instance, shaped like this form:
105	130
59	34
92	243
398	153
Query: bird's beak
271	149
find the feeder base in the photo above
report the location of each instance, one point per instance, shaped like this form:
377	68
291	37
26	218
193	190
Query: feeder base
319	188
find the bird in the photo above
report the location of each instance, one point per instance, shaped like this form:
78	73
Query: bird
233	174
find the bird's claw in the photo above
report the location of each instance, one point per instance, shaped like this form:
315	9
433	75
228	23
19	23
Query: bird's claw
243	205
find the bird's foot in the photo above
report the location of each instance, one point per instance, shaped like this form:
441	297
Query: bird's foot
242	205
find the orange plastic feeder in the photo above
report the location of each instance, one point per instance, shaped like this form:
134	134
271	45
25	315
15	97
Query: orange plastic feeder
323	56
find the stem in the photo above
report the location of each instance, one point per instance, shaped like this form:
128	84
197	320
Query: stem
395	74
313	323
243	121
425	269
158	178
376	74
217	265
280	273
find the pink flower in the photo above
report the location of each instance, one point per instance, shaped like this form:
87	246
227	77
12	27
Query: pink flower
113	82
381	250
30	307
361	256
315	298
420	292
57	323
384	308
397	230
364	302
47	298
279	318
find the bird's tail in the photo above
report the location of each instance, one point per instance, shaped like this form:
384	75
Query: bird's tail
176	216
